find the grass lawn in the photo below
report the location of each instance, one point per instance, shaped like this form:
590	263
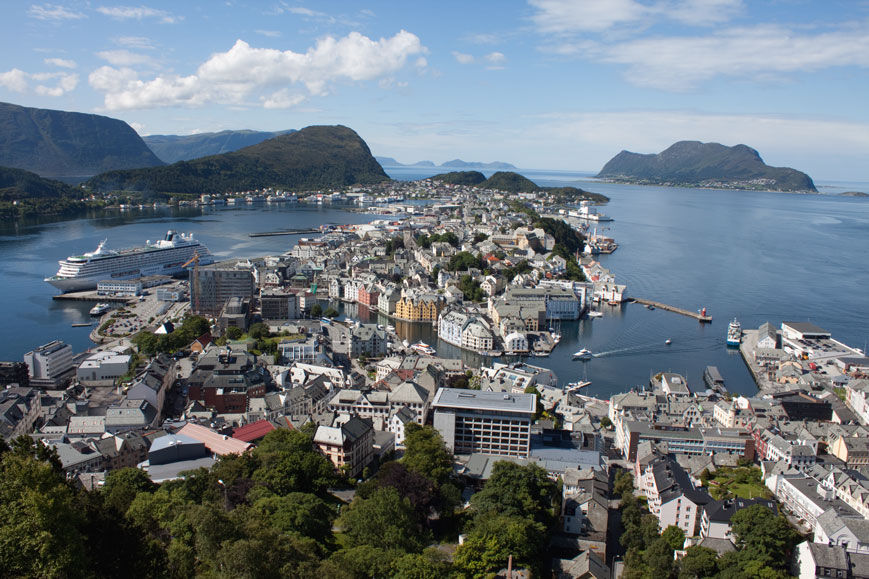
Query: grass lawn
740	481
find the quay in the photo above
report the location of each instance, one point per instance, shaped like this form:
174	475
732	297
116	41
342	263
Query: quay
92	296
283	232
697	316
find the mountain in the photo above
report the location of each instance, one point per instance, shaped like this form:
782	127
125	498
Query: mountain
391	162
174	148
515	183
459	164
312	158
469	178
68	145
696	164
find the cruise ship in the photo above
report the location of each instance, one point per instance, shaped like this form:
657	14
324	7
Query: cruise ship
166	256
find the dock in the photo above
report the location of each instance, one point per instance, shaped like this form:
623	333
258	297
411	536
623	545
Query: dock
283	232
92	296
696	315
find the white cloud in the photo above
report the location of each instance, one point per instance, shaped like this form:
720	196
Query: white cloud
704	12
137	13
269	33
53	12
124	57
20	82
682	63
560	16
60	62
483	38
463	58
495	57
136	42
242	72
138	127
282	99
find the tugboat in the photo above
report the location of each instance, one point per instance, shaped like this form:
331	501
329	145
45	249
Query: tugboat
734	334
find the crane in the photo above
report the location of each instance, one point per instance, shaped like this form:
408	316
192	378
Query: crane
194	291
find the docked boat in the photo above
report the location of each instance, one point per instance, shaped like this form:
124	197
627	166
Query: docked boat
583	354
572	386
595	314
166	256
423	348
734	333
100	309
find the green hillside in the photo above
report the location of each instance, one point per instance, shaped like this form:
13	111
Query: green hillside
468	178
26	194
174	148
69	145
315	157
509	181
696	164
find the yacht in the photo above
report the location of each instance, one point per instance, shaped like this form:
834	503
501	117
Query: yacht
100	309
423	348
167	256
583	354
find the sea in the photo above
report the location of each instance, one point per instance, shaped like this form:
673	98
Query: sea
754	256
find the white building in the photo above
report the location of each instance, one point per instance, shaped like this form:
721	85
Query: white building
103	368
49	361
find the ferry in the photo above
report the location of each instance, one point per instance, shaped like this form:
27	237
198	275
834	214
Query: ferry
100	309
166	256
423	348
734	334
583	354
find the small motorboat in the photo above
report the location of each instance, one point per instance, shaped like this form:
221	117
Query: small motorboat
669	341
583	354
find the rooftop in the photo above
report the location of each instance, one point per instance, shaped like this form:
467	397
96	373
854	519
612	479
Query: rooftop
478	400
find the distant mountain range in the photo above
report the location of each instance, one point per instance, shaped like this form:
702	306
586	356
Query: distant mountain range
512	182
712	165
454	164
312	158
174	148
67	145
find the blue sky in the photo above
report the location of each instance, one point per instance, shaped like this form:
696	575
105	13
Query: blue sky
547	84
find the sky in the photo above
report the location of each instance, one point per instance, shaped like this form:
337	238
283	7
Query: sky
542	84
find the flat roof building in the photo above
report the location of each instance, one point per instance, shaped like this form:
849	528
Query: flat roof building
485	422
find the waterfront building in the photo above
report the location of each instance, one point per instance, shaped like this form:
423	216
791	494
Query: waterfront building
465	331
419	309
496	423
387	299
559	303
50	362
368	339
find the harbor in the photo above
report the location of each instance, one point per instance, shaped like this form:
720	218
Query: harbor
699	315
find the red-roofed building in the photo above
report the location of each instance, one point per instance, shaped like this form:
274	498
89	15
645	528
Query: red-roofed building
253	431
200	343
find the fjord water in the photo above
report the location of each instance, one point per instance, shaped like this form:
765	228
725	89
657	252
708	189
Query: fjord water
757	256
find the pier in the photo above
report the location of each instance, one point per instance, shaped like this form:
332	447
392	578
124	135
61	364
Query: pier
696	315
283	232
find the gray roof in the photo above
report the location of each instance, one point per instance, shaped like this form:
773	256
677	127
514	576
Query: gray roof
454	398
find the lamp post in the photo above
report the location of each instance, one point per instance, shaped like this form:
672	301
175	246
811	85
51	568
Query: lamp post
225	498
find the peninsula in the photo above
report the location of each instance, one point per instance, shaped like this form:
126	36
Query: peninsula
705	165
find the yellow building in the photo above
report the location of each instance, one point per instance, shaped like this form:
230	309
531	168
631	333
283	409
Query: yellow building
419	310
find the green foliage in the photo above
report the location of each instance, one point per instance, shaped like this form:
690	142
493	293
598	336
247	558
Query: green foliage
287	462
698	563
491	542
123	485
463	261
425	241
426	454
510	182
763	535
674	536
394	244
258	330
234	333
605	422
316	311
302	514
191	328
565	236
330	312
384	520
471	289
313	158
513	490
361	562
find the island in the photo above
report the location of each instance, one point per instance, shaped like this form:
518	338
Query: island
511	182
705	165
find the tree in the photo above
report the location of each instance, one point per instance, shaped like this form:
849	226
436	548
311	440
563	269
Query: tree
659	559
330	312
298	513
234	332
514	490
384	520
122	486
698	563
419	490
674	536
258	331
763	535
429	565
40	524
316	311
287	462
605	422
426	454
491	542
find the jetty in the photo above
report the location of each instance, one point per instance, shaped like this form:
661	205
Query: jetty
696	315
283	232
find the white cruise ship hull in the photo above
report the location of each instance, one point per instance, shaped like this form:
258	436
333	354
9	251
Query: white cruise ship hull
82	273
